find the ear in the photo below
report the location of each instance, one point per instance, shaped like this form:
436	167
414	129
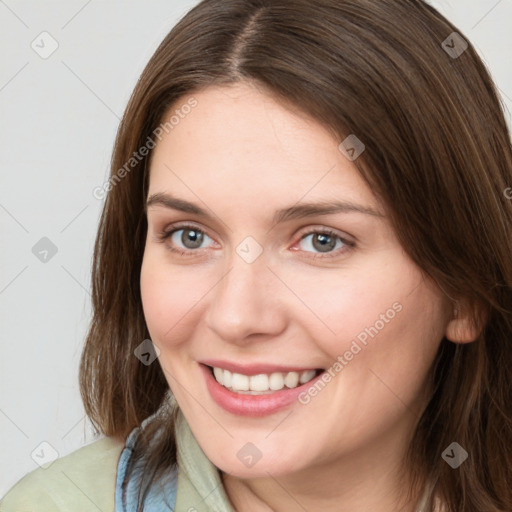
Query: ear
463	327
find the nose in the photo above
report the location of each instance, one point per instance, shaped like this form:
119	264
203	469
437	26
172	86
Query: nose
246	303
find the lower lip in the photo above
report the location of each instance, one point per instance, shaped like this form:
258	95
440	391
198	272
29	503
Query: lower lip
252	405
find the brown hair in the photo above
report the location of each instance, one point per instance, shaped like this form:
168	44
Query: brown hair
438	154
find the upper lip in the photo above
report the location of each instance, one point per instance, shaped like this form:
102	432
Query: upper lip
254	368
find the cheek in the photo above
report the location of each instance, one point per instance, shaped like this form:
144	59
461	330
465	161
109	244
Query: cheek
372	312
169	295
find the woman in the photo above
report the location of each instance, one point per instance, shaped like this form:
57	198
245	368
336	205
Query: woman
302	283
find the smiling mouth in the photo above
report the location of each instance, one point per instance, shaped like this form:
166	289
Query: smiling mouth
263	383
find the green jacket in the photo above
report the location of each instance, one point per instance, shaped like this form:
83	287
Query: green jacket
84	480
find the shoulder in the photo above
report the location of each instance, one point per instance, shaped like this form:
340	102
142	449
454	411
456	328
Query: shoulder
84	478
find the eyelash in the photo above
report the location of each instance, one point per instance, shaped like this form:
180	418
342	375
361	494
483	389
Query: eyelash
164	235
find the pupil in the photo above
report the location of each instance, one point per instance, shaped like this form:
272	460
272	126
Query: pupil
324	247
194	238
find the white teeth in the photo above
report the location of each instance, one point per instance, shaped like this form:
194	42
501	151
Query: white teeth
306	376
291	380
240	382
218	374
226	378
258	382
276	381
261	383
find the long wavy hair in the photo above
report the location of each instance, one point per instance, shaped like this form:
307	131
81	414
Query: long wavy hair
438	153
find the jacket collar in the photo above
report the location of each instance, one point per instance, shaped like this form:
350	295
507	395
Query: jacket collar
199	483
195	486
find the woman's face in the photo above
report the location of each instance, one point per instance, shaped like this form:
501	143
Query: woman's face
244	287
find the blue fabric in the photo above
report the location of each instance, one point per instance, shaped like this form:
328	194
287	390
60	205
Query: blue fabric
162	495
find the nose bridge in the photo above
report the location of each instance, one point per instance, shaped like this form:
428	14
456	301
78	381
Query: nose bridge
244	300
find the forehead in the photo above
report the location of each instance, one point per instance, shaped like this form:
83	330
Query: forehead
241	139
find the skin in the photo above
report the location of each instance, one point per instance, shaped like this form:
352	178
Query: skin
242	155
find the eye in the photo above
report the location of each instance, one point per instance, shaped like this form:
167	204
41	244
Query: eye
184	239
188	239
325	242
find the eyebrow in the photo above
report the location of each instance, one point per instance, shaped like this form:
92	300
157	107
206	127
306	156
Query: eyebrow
297	211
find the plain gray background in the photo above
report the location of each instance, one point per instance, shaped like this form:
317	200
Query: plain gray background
58	119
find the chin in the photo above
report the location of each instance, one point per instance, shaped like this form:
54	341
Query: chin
270	464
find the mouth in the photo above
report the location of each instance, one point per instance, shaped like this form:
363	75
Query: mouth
254	395
262	383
